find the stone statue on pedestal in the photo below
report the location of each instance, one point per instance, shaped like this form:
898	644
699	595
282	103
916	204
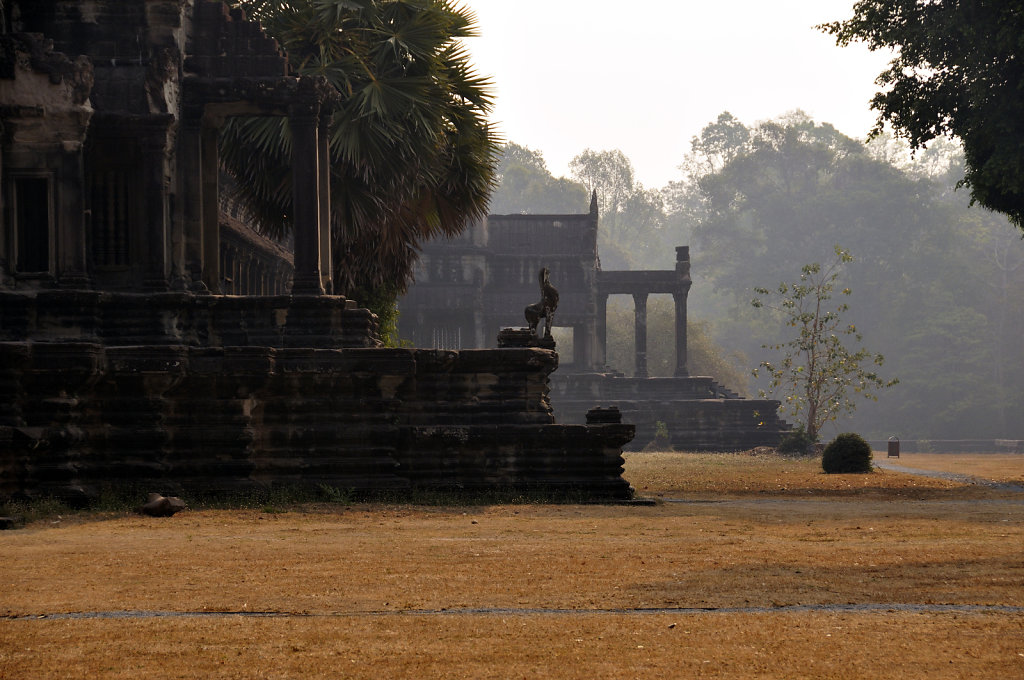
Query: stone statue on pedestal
545	309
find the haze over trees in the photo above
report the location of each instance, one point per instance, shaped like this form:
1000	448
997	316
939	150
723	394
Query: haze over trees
938	285
525	185
956	73
630	213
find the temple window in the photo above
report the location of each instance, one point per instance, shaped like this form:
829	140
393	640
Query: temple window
31	214
111	215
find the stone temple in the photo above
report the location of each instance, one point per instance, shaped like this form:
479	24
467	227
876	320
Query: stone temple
150	339
464	285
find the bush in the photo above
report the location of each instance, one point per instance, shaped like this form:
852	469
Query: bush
848	452
661	441
796	442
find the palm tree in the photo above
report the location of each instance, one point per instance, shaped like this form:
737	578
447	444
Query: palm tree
412	155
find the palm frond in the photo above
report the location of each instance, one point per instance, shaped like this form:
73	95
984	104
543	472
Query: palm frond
412	156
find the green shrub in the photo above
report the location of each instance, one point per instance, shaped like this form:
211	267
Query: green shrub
848	452
661	441
796	442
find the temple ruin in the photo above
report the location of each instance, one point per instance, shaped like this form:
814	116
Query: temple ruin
464	282
150	338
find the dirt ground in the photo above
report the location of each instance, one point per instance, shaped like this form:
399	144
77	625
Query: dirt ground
747	566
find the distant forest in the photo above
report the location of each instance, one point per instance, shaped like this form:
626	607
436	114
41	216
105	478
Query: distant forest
937	285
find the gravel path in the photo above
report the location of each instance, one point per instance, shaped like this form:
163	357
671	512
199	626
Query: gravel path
951	476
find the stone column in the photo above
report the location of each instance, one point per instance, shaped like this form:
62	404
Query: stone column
680	303
480	338
210	167
5	267
583	339
306	198
679	298
324	168
640	334
153	144
189	172
70	231
601	331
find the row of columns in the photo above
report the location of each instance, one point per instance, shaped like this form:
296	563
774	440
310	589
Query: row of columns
311	207
245	273
682	275
640	332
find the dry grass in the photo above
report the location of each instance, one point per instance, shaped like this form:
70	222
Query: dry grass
365	585
738	475
597	646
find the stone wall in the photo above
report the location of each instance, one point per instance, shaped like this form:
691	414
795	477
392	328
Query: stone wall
699	413
78	417
180	318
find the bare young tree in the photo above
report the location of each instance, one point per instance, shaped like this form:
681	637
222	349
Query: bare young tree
818	376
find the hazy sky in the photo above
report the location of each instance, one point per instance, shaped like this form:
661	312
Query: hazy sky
645	76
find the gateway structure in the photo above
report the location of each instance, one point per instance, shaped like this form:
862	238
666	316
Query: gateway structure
465	285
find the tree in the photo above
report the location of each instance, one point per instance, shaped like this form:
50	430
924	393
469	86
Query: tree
412	156
817	371
793	191
718	143
957	72
525	185
632	216
609	173
939	285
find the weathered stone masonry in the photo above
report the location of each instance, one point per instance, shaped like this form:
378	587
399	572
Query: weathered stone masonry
221	420
121	361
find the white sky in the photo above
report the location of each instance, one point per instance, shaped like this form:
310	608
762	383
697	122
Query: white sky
645	76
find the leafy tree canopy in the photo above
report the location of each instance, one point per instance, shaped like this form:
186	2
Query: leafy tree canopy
938	284
525	185
957	71
632	216
718	143
793	186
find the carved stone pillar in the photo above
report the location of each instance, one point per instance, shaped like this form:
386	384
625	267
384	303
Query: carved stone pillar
679	297
189	170
601	330
303	120
680	303
210	167
324	168
71	267
5	267
583	345
153	144
640	335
